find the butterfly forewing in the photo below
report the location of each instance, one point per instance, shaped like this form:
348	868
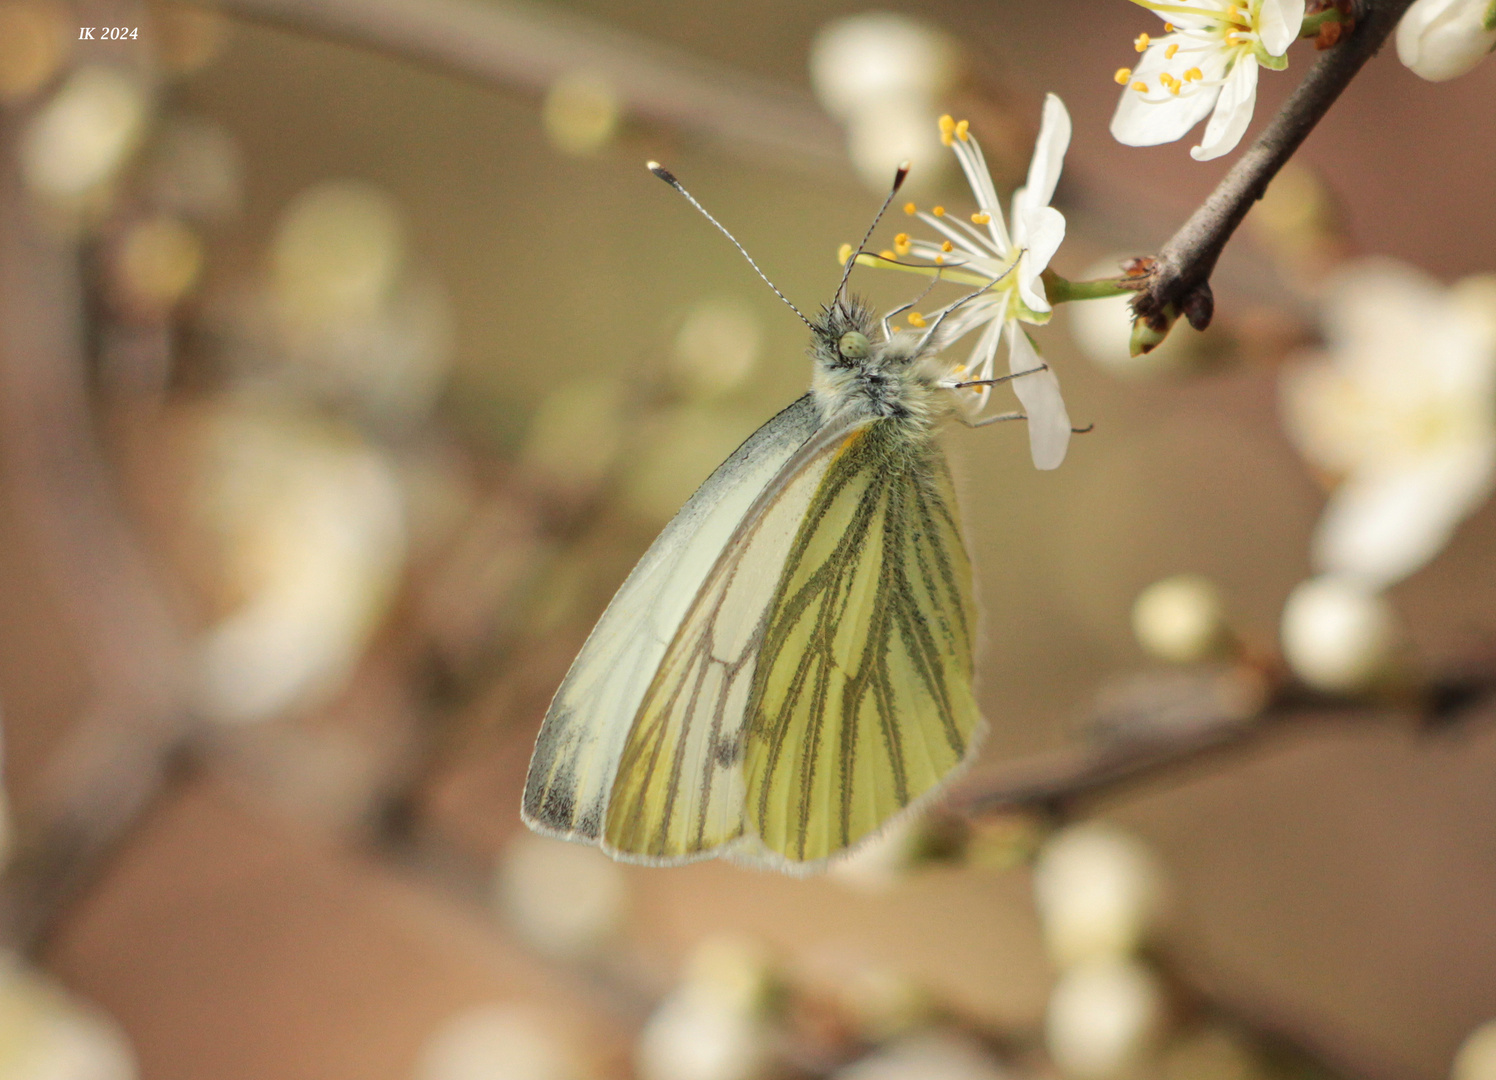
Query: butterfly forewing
582	739
862	698
679	791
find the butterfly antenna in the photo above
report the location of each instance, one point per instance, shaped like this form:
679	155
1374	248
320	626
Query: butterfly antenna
669	178
898	181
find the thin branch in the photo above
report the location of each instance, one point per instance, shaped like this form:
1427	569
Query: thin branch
1059	784
515	46
1180	281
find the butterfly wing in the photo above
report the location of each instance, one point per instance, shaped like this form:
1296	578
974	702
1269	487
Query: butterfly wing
679	792
862	695
582	738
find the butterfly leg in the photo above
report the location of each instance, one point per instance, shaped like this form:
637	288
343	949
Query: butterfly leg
997	419
1000	417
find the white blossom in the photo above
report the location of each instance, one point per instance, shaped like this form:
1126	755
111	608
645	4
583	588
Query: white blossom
1476	1057
983	252
1098	892
1338	635
1180	619
1441	39
1402	409
495	1041
1205	65
1103	1018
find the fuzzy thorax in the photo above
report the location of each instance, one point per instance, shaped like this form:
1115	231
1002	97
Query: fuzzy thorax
860	369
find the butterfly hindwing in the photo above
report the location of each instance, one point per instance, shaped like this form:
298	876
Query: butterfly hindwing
862	696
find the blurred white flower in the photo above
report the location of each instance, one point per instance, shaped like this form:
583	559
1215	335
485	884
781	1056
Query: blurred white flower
157	262
1476	1057
1442	39
1206	65
1338	635
711	1026
46	1034
565	899
717	346
1403	408
581	113
1098	893
930	1055
79	139
337	253
1104	1017
313	535
885	76
877	55
342	315
985	253
1180	619
495	1042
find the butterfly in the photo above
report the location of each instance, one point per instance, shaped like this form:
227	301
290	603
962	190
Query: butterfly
789	667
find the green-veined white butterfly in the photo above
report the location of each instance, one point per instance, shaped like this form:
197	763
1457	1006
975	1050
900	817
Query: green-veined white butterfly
789	667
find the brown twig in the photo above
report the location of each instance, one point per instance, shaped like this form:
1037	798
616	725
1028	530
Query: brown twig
1115	762
514	46
1180	282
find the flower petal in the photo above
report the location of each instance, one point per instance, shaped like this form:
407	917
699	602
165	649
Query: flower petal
1043	230
1048	160
1143	119
1441	39
1383	524
1048	422
1278	24
1233	112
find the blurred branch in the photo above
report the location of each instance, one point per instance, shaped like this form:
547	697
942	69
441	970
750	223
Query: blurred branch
115	757
516	46
1116	759
1180	278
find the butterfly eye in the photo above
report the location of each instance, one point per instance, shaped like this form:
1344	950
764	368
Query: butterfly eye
853	345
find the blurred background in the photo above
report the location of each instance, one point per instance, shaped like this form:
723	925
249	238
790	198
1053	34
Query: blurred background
349	359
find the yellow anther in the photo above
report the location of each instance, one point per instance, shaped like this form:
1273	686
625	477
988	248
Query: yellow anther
946	245
1171	50
1175	87
1140	87
916	319
1140	43
940	260
962	128
843	253
1168	28
980	219
895	328
890	256
1123	74
1194	75
947	128
938	211
1168	81
910	208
